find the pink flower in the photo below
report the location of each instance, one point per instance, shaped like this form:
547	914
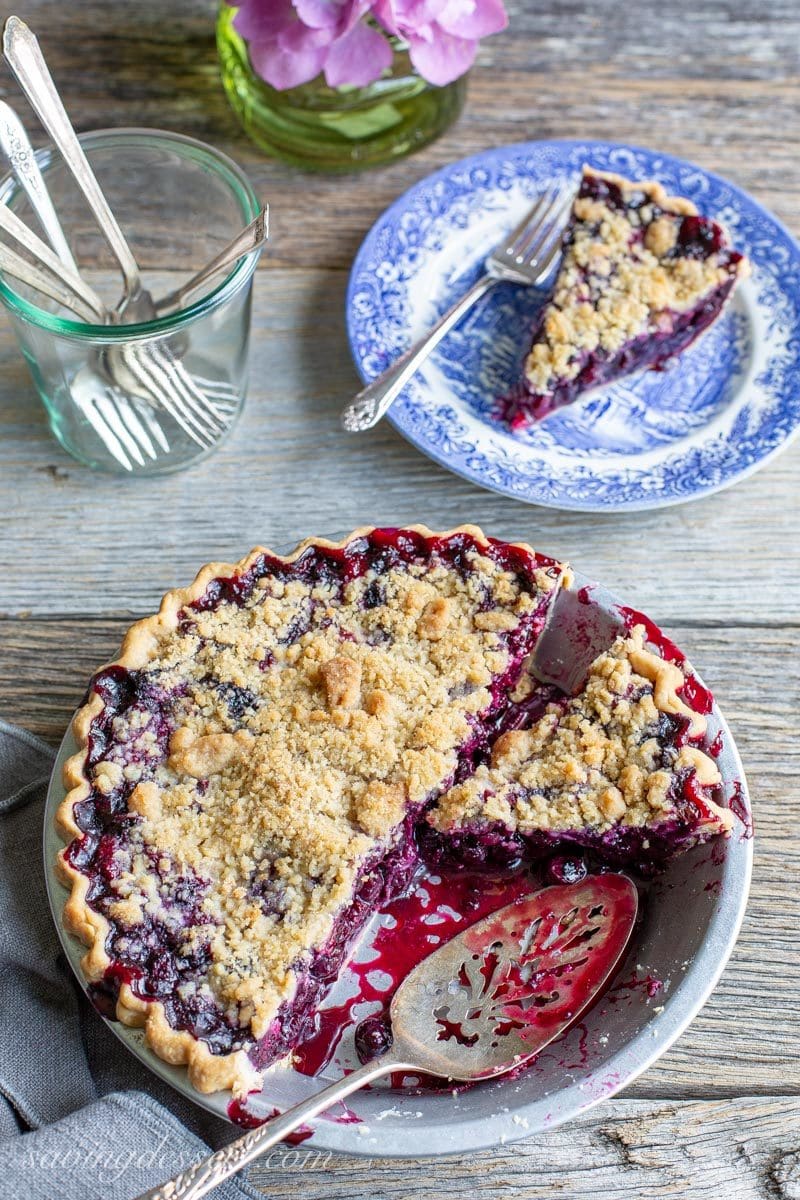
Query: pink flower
442	35
292	41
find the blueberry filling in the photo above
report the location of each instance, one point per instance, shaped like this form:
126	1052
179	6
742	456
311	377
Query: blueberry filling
494	849
652	351
238	699
381	551
373	1037
564	868
380	882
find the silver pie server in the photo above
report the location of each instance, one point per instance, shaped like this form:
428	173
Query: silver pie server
576	630
482	1005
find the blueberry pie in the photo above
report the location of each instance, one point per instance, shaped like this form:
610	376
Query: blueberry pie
615	769
642	276
262	767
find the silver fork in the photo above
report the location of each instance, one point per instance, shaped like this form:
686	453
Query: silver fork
126	430
147	371
123	422
169	383
126	427
526	257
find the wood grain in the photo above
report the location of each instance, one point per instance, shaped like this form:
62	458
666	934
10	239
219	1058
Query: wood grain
743	1148
80	555
290	471
713	81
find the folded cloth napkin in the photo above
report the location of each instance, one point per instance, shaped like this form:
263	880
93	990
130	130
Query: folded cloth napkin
80	1117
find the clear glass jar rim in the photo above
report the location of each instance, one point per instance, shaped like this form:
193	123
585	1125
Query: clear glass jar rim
239	274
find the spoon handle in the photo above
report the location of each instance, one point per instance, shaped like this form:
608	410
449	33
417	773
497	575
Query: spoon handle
22	160
198	1180
58	261
45	257
22	53
251	238
56	286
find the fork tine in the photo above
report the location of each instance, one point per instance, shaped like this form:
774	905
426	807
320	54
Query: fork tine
539	236
194	398
191	417
217	388
225	407
193	404
107	410
532	215
157	384
223	396
544	264
130	419
198	401
105	434
165	378
148	418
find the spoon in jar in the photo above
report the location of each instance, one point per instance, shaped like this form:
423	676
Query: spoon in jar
483	1004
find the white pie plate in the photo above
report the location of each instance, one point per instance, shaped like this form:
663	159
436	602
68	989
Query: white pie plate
691	923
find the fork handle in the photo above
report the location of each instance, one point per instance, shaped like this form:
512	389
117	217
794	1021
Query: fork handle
22	160
200	1179
377	397
22	53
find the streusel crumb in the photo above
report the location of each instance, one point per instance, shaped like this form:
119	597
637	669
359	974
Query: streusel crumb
306	723
592	762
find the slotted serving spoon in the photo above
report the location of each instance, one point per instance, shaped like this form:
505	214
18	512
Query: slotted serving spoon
483	1004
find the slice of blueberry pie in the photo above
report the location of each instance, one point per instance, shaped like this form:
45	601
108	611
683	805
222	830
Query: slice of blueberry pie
642	276
259	771
616	768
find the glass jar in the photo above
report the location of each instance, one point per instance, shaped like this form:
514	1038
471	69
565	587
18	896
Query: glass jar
336	129
152	397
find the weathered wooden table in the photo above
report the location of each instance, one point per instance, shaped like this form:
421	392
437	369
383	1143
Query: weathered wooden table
81	554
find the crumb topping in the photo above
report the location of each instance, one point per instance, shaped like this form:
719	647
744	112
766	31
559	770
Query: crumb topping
594	761
623	276
252	767
304	724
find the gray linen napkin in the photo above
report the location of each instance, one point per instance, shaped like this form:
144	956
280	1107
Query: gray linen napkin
80	1117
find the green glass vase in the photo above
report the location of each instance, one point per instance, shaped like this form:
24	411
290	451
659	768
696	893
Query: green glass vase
336	129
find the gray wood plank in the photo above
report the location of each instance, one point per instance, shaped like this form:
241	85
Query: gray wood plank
744	1148
289	471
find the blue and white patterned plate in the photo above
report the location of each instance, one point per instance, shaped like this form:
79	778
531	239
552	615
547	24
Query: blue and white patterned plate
727	406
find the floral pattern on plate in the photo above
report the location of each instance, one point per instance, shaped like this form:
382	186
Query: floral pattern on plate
657	438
